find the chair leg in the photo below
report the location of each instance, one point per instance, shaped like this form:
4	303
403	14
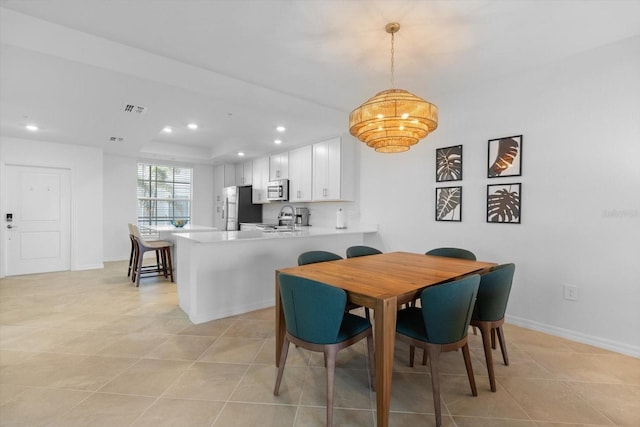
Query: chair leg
131	259
163	257
330	353
169	263
372	361
424	358
485	331
493	338
136	255
283	360
503	345
139	272
412	353
467	363
434	355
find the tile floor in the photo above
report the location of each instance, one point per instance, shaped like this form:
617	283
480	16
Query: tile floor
89	349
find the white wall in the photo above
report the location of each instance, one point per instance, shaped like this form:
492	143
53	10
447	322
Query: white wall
120	205
580	187
85	164
202	203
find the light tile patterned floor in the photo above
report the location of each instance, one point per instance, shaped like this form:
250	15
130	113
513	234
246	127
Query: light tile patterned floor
89	349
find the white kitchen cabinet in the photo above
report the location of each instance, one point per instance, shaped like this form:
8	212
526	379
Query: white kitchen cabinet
244	173
260	180
333	170
300	174
278	166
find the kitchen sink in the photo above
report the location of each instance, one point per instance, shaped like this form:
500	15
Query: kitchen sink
273	228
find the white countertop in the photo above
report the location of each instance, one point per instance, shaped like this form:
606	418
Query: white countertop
226	236
186	228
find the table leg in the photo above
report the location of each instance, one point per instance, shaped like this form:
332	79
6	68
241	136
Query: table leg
385	336
280	324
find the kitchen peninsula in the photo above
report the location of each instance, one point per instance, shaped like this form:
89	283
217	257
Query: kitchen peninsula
224	273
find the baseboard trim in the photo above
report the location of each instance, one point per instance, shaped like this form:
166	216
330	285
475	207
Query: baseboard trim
599	342
88	267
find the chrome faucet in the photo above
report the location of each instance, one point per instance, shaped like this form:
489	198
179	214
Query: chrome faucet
293	216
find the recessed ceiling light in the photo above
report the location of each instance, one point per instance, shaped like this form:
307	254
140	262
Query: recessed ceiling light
277	141
192	126
240	154
281	128
167	129
32	128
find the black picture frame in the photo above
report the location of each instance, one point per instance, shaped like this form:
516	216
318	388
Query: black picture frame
449	204
504	203
449	163
504	157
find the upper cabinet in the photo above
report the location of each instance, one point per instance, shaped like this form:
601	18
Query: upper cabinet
300	175
223	176
278	166
333	167
260	180
244	173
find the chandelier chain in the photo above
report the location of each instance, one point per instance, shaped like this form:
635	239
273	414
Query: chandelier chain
392	53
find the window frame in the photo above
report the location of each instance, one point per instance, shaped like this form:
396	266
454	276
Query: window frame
149	182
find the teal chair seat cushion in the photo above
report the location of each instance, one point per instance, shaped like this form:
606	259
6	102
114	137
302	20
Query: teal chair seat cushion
351	326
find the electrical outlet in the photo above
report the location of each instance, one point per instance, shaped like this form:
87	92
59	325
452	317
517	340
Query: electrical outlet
571	292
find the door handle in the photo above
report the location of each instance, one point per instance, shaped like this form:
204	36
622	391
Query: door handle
11	226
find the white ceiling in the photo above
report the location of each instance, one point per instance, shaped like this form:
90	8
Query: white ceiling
238	68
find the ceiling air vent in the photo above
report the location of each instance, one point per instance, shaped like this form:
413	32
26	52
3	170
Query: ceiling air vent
131	108
115	139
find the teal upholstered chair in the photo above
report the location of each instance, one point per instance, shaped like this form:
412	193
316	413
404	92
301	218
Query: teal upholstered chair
356	251
488	314
441	325
453	253
312	257
315	320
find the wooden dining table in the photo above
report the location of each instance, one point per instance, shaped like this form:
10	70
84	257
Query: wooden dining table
383	283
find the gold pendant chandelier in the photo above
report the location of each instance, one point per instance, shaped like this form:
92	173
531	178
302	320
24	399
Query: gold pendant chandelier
394	119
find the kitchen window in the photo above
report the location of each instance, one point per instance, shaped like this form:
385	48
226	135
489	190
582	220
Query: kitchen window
164	194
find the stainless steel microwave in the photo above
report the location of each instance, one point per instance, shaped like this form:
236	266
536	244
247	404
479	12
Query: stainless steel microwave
278	190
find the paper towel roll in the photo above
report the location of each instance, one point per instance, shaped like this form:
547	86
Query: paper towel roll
340	219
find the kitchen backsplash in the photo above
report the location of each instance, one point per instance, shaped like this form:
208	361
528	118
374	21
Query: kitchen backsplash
321	214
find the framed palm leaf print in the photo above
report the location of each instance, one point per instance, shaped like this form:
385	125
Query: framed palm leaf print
504	203
505	157
449	204
449	163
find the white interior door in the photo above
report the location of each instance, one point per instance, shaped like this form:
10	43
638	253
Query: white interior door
38	235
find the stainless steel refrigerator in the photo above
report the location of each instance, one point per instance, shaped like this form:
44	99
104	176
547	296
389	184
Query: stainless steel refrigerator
238	207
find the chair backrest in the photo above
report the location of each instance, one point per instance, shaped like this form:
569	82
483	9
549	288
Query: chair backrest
355	251
493	293
135	231
313	311
312	257
453	253
447	309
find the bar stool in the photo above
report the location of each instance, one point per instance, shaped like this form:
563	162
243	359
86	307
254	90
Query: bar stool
162	249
